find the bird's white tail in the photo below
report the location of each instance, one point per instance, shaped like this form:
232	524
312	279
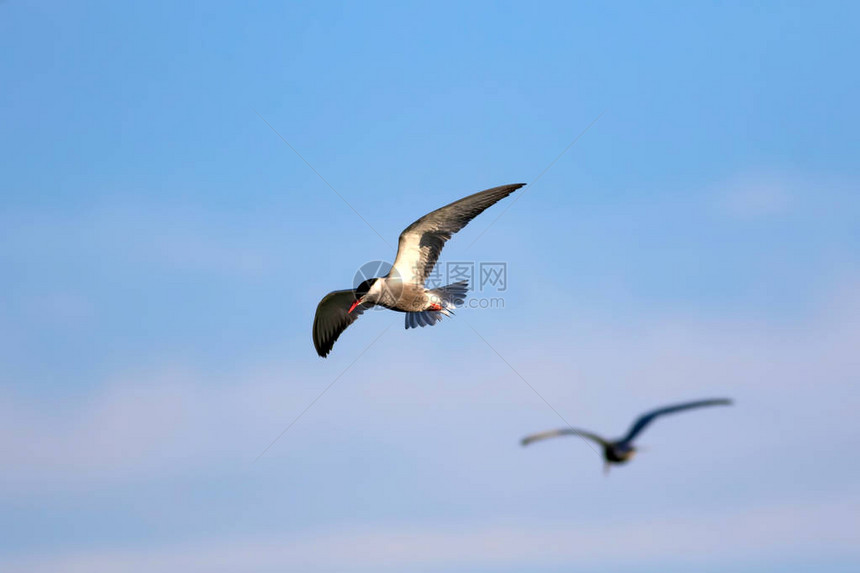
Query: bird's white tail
450	297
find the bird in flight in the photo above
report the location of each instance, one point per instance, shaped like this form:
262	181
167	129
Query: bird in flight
622	450
402	289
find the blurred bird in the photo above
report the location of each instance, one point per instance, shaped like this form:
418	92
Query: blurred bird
622	450
402	289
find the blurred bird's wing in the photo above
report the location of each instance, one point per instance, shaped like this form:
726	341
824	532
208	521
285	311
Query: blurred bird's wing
332	318
563	432
421	242
648	417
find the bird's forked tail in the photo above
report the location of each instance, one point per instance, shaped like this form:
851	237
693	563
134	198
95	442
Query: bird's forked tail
448	297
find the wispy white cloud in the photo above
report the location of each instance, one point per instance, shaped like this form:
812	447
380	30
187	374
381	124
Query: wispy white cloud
757	195
809	531
58	307
764	193
138	426
155	237
152	424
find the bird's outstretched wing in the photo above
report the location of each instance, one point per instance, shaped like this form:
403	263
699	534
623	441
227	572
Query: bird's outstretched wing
332	318
563	432
648	417
421	242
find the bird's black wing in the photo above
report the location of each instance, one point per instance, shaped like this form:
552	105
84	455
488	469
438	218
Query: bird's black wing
562	432
648	417
421	242
332	318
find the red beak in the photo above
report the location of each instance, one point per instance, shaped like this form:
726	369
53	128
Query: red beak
352	308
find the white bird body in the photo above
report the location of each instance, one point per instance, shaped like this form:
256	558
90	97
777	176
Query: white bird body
395	294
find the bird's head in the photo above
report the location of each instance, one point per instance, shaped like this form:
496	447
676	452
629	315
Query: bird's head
361	293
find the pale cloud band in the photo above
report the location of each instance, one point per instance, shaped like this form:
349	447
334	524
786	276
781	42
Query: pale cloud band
808	532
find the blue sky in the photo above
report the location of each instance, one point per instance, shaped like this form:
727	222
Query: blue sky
164	251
